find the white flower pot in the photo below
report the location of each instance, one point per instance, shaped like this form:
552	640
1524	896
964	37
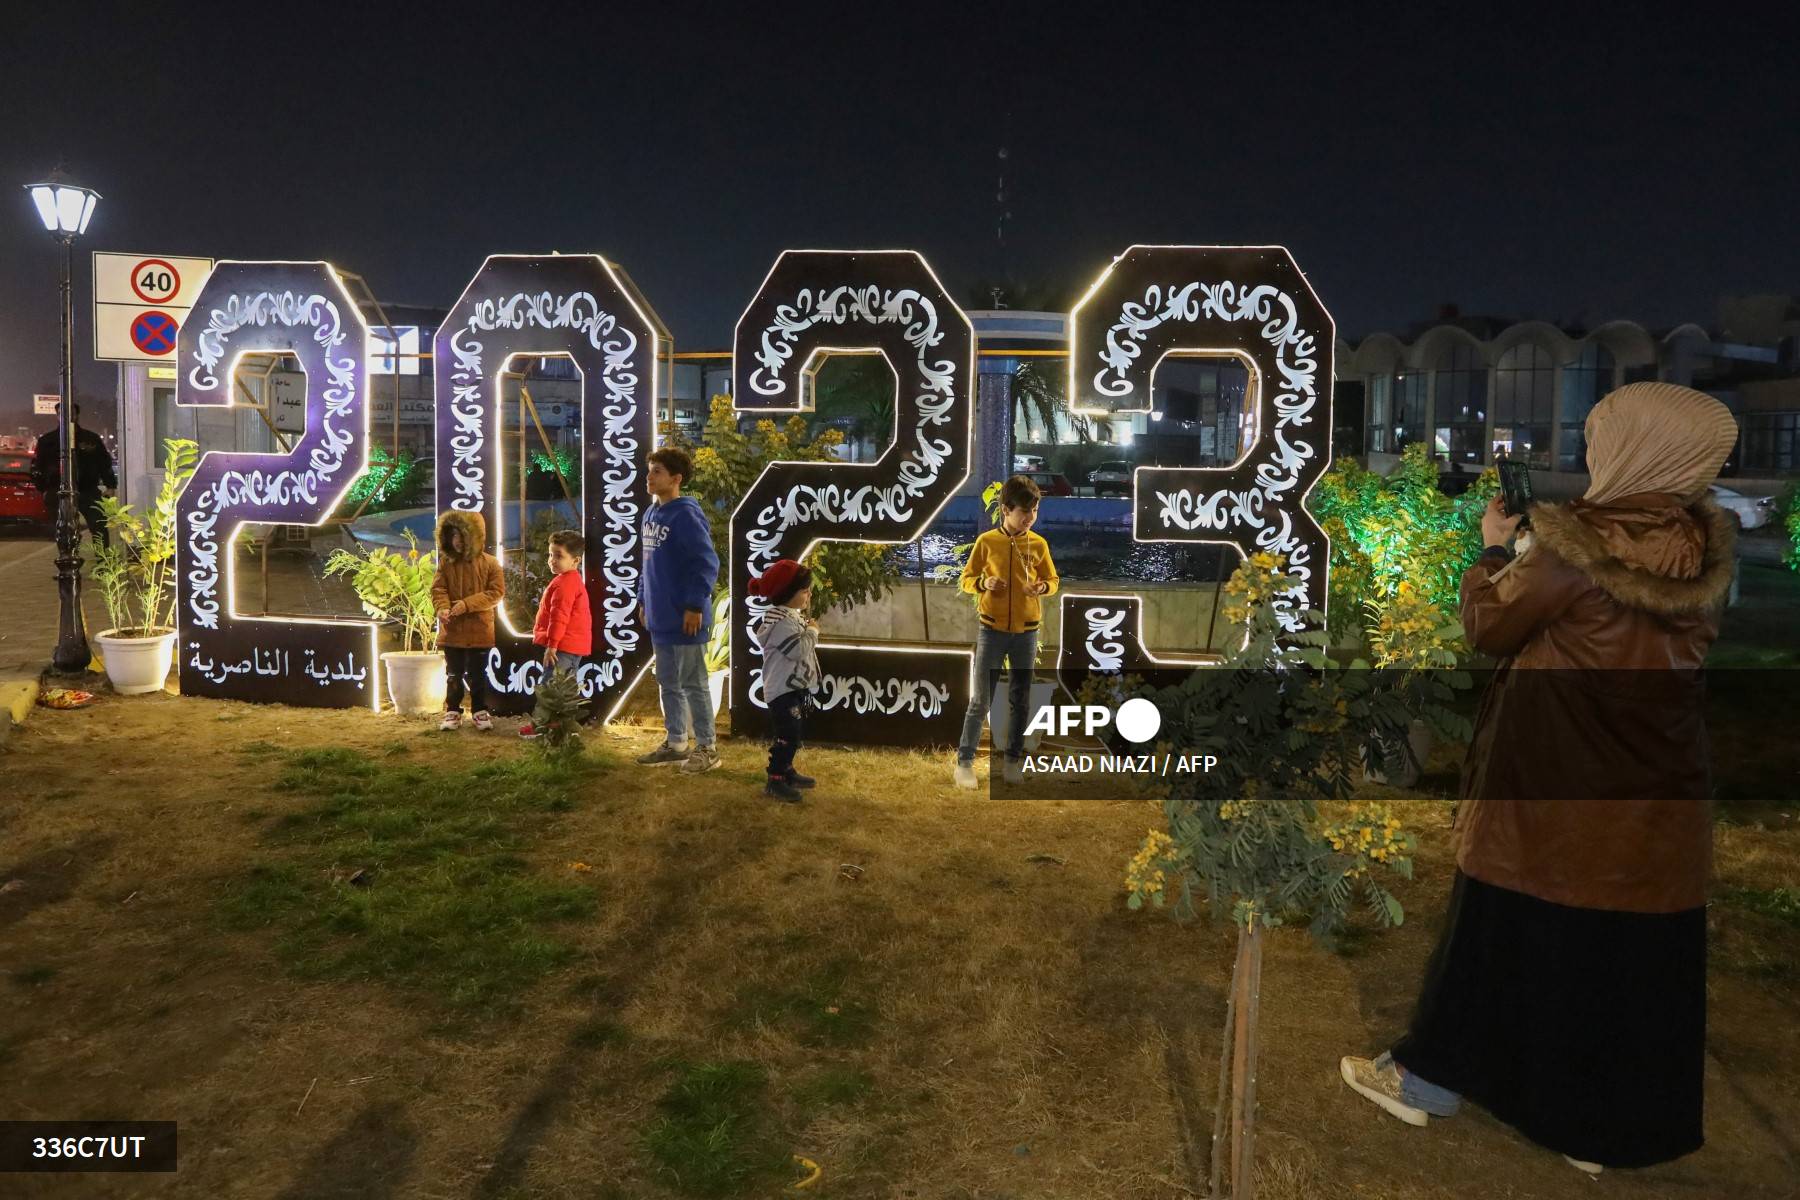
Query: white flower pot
1403	763
137	665
1000	712
716	681
415	680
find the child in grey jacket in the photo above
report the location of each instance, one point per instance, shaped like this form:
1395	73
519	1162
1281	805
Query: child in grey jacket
789	640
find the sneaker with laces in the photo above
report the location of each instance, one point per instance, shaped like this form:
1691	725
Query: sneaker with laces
1379	1080
703	758
965	776
528	731
483	722
781	789
662	756
452	719
795	779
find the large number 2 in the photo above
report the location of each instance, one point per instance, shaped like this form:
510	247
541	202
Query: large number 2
1250	303
580	306
272	308
813	303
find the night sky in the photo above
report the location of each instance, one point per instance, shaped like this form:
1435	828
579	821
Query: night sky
1531	165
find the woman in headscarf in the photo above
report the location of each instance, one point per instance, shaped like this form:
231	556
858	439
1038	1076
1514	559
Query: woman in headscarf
1567	993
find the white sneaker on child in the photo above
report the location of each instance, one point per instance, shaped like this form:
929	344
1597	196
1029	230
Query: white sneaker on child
965	776
452	719
483	722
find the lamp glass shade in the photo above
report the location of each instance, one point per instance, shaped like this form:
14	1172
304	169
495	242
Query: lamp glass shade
44	196
63	207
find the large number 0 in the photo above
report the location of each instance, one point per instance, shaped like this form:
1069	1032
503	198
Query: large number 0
1250	303
580	306
271	308
813	303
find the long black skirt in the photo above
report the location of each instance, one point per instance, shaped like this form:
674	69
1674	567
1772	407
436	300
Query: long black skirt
1584	1030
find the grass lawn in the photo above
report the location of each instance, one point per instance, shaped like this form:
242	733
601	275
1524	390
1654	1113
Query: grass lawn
353	956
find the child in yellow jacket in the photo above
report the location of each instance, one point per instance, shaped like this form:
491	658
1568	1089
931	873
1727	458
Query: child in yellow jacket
1009	571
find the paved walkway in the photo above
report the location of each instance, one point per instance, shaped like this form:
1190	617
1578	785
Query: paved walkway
28	630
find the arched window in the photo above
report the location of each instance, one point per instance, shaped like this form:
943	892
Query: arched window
1524	381
1459	403
1584	382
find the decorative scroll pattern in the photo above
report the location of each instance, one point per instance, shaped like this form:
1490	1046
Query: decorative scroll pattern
276	308
1258	306
558	304
815	302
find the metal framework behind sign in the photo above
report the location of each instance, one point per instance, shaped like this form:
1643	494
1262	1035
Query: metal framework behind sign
271	308
545	305
814	303
1252	303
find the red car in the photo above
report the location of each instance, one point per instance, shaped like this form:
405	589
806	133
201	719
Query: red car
20	500
1050	483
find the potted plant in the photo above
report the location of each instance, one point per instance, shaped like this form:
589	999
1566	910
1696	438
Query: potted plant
397	587
136	574
718	650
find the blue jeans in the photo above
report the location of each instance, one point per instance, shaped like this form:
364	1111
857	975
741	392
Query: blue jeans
681	678
992	648
1422	1093
567	660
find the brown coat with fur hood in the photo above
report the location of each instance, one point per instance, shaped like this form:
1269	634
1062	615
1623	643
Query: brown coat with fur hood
468	586
1587	782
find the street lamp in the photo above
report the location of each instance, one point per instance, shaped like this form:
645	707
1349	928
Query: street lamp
66	210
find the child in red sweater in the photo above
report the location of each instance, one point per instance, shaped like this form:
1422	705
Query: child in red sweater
565	624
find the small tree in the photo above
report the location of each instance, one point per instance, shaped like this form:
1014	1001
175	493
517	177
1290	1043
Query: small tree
1288	728
394	587
556	713
136	572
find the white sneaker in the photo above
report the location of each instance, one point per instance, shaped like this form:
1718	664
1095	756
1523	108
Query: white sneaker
965	776
483	722
1380	1082
452	720
1585	1167
1014	771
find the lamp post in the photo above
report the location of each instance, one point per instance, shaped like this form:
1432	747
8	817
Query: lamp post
66	210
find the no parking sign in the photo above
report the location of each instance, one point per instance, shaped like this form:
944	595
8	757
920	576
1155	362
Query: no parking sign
140	301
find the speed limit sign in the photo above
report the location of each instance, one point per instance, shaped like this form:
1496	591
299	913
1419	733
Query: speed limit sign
155	280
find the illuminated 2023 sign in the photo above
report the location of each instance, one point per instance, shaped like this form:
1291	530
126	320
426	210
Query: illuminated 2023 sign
1252	304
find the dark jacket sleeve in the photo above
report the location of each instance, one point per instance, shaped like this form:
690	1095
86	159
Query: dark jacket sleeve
697	583
45	469
1506	602
107	475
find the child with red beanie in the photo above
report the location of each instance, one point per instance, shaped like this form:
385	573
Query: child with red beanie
789	640
565	623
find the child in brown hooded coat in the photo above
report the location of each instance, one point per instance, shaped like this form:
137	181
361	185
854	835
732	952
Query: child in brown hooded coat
467	589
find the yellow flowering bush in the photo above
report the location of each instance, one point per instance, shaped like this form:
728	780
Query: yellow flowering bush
1288	728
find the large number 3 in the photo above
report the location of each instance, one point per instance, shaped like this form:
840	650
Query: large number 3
814	303
1249	303
580	306
272	308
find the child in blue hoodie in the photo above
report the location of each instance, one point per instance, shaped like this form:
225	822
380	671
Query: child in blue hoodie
675	604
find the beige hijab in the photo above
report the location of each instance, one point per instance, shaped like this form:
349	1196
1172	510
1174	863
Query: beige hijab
1656	437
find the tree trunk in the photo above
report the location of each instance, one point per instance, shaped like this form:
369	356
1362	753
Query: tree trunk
1240	1109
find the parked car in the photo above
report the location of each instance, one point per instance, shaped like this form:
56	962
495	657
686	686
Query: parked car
1027	462
20	500
1751	512
1112	478
1050	483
